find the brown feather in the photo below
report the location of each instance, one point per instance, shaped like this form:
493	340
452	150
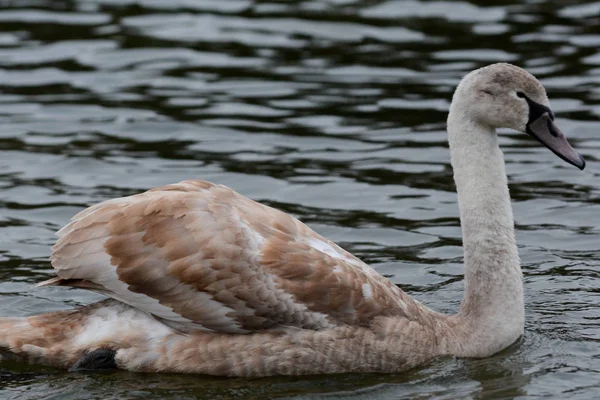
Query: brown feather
221	261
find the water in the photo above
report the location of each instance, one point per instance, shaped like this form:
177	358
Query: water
333	111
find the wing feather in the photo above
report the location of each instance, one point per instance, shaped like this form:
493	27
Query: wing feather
204	257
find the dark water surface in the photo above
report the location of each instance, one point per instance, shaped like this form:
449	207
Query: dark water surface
333	111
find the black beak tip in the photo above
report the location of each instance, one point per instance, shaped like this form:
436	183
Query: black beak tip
581	164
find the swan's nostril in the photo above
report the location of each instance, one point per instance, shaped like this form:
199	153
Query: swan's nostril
552	130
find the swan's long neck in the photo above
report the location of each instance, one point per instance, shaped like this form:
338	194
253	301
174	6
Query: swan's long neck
491	315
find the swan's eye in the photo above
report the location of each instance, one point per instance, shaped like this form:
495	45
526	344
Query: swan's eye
521	95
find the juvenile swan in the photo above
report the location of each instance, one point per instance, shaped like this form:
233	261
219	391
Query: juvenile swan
204	280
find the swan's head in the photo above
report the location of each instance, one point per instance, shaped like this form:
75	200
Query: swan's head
506	96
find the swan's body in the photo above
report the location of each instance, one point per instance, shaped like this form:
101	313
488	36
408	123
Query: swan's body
204	280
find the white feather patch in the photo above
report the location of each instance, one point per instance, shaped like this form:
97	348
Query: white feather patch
324	247
367	290
119	321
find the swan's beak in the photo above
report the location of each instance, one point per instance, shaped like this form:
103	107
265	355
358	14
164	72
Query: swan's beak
548	134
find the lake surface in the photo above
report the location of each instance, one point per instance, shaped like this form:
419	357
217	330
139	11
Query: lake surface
333	111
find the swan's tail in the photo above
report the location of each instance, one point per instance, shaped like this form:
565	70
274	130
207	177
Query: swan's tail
51	339
42	339
10	329
83	336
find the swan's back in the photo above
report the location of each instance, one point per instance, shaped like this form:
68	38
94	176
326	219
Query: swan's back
202	257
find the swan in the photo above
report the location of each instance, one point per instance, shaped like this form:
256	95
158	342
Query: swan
201	279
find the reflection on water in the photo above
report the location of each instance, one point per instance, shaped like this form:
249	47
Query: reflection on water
332	110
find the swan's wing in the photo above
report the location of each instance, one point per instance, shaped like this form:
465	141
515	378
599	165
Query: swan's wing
202	256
